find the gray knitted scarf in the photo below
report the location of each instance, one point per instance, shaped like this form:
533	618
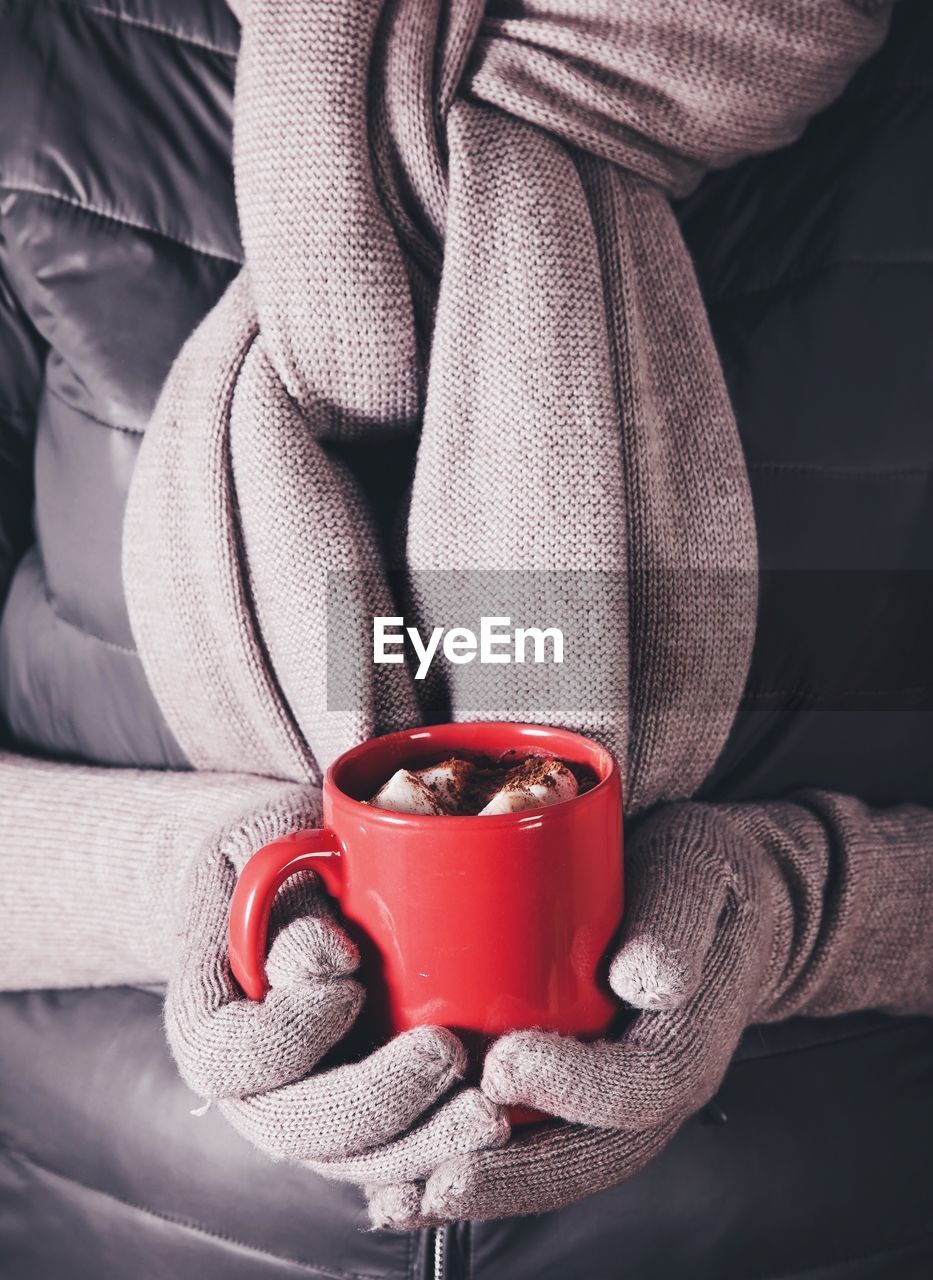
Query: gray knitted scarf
457	231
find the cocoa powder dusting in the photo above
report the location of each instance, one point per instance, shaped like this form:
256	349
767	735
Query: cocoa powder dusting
481	777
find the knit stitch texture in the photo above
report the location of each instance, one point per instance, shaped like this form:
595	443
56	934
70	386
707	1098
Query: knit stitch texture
456	223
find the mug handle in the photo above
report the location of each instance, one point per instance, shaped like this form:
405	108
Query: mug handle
260	880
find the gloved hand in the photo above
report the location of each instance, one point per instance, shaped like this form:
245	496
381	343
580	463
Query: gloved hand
256	1058
735	914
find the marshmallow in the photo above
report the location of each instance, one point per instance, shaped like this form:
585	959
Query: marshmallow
509	801
544	783
447	782
406	793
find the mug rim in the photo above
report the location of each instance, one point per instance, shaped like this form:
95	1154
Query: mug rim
526	817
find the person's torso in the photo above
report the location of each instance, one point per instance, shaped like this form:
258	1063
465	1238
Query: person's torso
117	233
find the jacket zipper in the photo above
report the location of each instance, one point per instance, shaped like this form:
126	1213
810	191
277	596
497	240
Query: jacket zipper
439	1252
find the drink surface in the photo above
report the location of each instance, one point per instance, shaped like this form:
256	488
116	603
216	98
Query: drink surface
479	785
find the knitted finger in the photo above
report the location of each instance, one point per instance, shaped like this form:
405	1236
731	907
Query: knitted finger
675	890
308	948
345	1110
467	1122
395	1206
546	1169
227	1046
665	1066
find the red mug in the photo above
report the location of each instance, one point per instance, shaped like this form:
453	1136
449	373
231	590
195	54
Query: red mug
481	924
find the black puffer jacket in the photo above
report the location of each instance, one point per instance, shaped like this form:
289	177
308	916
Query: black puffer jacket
117	232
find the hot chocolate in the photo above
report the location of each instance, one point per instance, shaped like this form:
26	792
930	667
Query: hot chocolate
483	787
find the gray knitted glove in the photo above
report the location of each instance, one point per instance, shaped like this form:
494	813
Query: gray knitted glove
256	1058
735	914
